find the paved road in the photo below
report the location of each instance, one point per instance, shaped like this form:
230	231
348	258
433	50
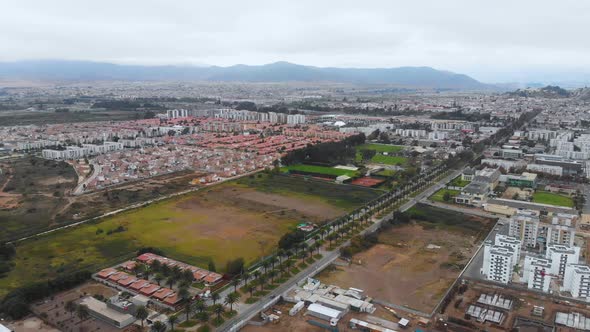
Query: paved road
465	210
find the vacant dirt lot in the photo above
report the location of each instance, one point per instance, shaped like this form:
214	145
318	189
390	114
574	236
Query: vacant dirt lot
402	270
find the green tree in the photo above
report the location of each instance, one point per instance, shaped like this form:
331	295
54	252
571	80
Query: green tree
142	314
82	312
172	320
215	297
230	299
211	266
159	327
218	310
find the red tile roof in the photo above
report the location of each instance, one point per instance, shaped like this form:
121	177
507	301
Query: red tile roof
149	289
162	293
139	284
106	273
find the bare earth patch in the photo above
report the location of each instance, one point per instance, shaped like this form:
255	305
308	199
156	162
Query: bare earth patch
401	270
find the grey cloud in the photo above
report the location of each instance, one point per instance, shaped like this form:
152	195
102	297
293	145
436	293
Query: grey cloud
481	38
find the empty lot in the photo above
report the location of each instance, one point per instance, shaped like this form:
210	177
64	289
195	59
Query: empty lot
404	270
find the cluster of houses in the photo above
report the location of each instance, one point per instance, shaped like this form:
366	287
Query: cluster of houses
120	277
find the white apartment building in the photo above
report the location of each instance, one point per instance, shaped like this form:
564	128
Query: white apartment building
577	281
546	169
498	262
536	273
561	229
417	133
450	125
509	241
174	114
525	226
545	135
75	152
561	256
438	135
295	119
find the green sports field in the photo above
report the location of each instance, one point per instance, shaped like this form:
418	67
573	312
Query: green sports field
545	197
379	157
323	170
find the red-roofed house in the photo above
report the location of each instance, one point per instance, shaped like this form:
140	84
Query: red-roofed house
106	273
129	265
200	274
139	284
212	278
149	289
162	294
127	281
118	276
172	299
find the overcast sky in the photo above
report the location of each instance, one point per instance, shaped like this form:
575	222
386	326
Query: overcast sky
492	41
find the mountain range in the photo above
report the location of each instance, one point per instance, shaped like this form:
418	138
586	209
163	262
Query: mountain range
65	70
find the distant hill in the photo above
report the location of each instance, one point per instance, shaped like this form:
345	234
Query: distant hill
420	77
583	94
549	91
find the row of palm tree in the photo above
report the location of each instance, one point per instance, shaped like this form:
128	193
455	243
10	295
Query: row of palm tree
339	228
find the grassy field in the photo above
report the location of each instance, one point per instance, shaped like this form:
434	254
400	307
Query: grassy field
457	182
388	160
386	172
13	118
380	147
545	197
379	157
32	193
323	170
439	195
244	218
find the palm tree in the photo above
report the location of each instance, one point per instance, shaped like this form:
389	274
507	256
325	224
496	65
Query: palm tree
235	282
188	276
245	276
272	262
147	271
251	289
159	327
230	299
165	269
171	320
265	265
215	297
200	305
156	266
218	310
261	281
70	307
289	264
188	309
82	312
141	313
159	277
280	255
271	275
171	281
137	269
